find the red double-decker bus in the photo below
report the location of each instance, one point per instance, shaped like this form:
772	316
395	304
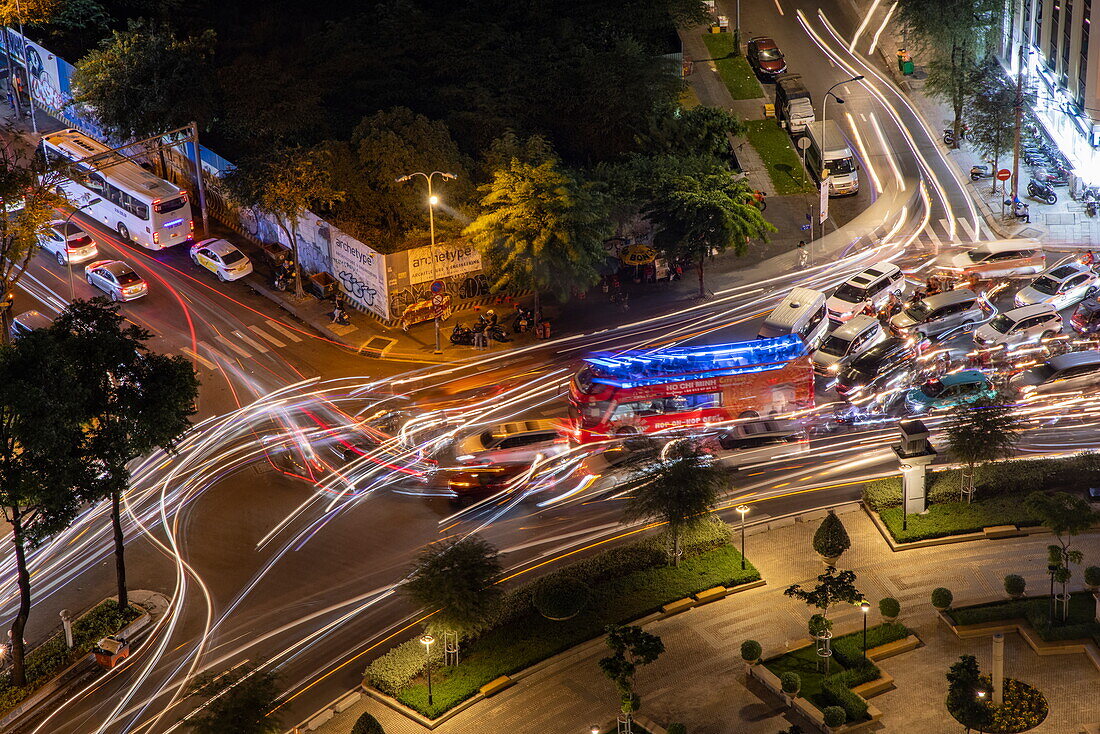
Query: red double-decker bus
646	392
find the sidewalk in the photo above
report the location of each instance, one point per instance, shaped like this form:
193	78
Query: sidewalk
700	680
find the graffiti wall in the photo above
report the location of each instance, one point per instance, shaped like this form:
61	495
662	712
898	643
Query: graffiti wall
410	274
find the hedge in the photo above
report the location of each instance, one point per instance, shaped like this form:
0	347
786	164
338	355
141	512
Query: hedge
849	648
51	657
836	693
401	665
367	724
956	518
1080	625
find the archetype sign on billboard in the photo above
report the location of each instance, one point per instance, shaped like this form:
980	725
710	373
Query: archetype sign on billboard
449	259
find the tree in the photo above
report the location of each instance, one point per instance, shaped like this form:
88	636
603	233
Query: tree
29	197
134	401
980	432
702	131
963	683
285	182
680	490
991	112
1066	515
241	701
144	81
367	724
41	458
833	587
831	539
540	228
698	215
630	647
457	578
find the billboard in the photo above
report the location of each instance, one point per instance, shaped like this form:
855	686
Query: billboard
448	260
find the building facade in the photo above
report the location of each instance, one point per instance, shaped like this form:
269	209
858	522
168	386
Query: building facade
1052	41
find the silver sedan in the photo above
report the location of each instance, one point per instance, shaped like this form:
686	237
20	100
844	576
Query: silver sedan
117	279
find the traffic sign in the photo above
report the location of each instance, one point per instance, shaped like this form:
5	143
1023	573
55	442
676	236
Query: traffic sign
803	143
438	286
804	227
1004	174
823	204
438	300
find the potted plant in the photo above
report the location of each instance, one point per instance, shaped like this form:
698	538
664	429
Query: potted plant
834	717
942	598
831	539
889	608
1092	578
750	652
791	682
1015	585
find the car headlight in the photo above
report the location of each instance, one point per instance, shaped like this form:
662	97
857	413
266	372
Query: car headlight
834	367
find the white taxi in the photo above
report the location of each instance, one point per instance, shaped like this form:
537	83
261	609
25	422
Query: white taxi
222	259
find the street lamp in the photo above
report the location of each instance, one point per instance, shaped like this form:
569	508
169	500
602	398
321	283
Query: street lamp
865	607
427	641
981	700
68	258
433	200
595	730
743	509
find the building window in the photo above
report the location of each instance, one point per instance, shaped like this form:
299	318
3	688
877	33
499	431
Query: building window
1052	49
1082	71
1066	28
1026	25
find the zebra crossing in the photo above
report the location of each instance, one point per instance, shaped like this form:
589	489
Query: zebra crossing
938	233
238	344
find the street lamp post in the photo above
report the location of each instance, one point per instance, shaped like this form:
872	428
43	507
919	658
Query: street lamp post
981	700
68	259
865	607
824	107
427	641
432	201
743	509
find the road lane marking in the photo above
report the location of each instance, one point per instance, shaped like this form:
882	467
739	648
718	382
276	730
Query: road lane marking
251	342
969	230
778	7
933	236
239	350
199	358
261	333
283	330
947	227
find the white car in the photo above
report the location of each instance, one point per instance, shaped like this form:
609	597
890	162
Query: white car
996	258
1062	286
222	259
117	279
871	287
1020	326
68	243
521	441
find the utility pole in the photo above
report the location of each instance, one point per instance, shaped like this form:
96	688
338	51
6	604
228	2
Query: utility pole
26	69
196	158
1019	126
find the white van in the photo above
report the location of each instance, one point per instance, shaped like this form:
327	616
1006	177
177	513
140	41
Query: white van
802	312
829	155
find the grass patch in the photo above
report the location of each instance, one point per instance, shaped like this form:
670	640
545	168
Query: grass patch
782	160
734	70
957	518
51	657
525	640
1081	623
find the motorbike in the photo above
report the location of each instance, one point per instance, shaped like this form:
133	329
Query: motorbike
496	333
977	173
340	316
1041	191
949	136
462	336
523	321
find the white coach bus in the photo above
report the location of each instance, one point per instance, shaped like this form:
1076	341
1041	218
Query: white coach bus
142	208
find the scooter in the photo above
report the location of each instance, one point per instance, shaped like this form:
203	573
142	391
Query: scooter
949	136
524	320
340	316
462	336
1041	191
977	173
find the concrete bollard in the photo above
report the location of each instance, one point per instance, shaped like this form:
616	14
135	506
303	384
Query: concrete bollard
67	623
998	669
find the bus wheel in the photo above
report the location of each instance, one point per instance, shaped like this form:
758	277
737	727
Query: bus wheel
123	232
749	414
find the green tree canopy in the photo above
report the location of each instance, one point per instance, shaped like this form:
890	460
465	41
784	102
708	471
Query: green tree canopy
700	131
681	489
631	647
833	587
831	539
457	577
991	112
1067	515
696	216
241	701
540	229
979	432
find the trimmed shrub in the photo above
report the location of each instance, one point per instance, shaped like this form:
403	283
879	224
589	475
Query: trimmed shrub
831	539
1092	576
677	728
398	667
367	724
750	651
791	682
836	693
560	598
889	607
1015	585
942	598
834	716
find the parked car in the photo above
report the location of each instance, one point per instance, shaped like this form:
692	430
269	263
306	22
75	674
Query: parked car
939	314
27	322
520	441
1060	286
876	366
847	341
871	287
948	391
765	58
996	258
1020	326
1086	319
1066	372
68	243
117	279
222	259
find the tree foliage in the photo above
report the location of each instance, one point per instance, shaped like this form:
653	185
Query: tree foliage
963	683
241	701
991	111
367	724
980	432
833	587
631	647
1067	515
680	490
457	578
831	538
697	215
540	228
144	80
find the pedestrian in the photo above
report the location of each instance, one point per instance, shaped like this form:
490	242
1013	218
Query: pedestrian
1022	211
1089	258
803	255
758	199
